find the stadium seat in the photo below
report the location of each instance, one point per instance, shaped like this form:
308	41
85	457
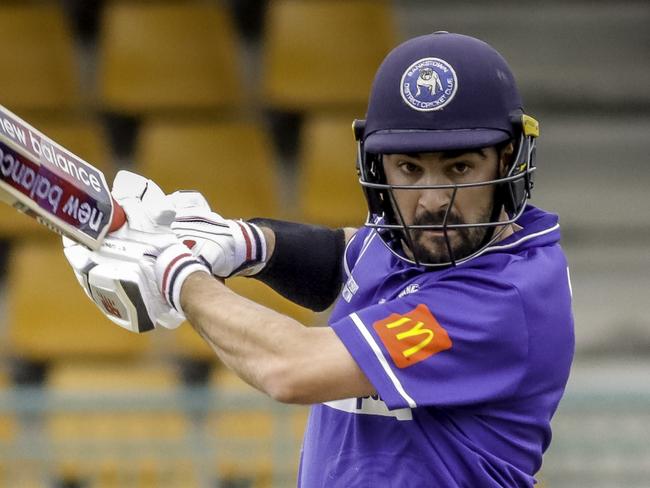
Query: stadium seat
39	71
259	292
259	439
49	315
245	427
329	190
85	138
106	436
167	56
185	342
8	429
231	163
320	54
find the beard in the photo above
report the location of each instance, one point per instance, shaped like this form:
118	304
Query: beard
432	248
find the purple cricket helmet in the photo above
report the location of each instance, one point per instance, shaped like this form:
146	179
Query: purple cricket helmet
442	92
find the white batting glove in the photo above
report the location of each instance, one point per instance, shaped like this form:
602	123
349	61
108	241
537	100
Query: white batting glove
122	284
227	247
120	278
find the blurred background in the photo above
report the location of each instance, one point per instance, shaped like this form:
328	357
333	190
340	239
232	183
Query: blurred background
250	102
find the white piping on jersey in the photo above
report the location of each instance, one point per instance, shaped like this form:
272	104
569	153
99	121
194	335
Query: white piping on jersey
516	243
368	239
345	254
382	360
366	244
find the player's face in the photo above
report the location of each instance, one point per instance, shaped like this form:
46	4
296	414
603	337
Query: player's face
428	207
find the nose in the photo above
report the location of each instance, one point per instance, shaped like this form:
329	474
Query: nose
435	200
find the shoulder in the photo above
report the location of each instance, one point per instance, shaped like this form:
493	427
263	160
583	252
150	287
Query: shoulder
356	244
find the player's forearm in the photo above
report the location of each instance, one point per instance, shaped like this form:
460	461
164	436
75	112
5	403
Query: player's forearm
229	324
271	351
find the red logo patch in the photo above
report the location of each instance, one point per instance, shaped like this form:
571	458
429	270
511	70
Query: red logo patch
110	306
412	337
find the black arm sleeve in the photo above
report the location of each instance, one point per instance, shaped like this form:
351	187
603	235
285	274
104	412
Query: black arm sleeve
307	263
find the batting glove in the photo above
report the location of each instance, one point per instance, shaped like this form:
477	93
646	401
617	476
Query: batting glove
228	247
122	284
120	278
172	267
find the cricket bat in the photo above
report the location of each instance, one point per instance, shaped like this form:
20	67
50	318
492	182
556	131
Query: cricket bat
49	183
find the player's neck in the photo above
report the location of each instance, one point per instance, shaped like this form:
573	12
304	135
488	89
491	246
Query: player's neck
508	229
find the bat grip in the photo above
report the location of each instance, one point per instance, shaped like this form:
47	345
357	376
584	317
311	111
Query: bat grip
119	217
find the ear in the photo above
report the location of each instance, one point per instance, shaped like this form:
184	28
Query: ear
505	158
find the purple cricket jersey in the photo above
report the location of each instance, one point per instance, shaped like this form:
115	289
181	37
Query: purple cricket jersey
469	364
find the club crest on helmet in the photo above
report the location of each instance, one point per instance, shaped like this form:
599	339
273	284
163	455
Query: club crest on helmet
428	84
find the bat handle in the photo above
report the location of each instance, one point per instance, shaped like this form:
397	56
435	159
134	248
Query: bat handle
119	217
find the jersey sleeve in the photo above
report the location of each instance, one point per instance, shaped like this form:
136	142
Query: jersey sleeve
451	343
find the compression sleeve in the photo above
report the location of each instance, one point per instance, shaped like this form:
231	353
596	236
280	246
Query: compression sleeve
307	263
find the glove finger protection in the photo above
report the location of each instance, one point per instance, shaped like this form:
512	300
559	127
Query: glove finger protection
146	206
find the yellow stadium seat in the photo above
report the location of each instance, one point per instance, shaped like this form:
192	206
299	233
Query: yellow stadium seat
245	434
93	441
8	429
168	56
49	315
258	442
186	342
7	425
16	467
319	54
329	190
82	136
231	163
264	295
39	70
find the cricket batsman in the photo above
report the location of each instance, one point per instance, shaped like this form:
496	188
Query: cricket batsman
451	336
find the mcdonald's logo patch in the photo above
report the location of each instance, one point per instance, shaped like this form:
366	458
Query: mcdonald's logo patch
412	337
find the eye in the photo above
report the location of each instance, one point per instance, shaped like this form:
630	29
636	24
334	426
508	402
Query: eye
460	168
409	168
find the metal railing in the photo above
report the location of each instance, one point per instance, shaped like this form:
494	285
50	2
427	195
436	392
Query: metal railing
27	444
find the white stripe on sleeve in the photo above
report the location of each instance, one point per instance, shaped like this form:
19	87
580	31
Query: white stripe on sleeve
382	360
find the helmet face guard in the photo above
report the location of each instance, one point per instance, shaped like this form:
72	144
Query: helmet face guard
511	193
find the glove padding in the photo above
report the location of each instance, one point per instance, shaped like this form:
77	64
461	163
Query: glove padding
119	278
122	285
228	247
